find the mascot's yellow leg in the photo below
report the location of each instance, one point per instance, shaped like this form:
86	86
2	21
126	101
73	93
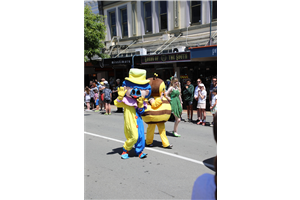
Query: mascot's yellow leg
131	135
162	133
150	134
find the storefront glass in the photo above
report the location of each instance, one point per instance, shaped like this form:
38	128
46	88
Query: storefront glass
194	70
164	71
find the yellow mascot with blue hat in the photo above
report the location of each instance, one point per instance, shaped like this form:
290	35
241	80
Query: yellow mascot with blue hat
131	97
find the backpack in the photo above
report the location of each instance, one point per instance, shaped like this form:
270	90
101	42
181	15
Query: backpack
107	94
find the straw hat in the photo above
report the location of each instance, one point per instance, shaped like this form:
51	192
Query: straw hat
137	76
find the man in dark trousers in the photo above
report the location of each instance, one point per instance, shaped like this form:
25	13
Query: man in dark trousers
188	96
115	90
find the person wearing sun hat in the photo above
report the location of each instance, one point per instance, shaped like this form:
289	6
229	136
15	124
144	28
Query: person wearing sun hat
131	97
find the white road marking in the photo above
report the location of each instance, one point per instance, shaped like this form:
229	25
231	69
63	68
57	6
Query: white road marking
152	149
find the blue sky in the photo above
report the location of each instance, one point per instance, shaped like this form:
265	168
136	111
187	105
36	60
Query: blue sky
94	6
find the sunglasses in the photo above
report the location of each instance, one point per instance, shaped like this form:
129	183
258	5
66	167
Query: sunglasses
199	81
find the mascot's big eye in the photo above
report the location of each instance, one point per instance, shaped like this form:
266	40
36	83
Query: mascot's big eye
138	92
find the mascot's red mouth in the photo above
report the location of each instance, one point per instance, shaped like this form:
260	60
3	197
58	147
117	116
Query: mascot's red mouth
134	97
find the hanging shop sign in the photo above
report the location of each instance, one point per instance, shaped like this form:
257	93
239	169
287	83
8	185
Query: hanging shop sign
205	52
184	78
174	57
117	61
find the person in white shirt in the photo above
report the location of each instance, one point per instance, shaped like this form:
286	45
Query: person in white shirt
196	97
213	106
202	94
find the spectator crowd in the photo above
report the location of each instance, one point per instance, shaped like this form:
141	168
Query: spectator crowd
99	96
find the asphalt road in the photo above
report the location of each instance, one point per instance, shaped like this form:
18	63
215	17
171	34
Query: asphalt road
164	174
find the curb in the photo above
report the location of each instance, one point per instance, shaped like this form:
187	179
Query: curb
208	113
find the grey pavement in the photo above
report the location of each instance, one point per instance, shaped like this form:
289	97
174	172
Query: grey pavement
159	176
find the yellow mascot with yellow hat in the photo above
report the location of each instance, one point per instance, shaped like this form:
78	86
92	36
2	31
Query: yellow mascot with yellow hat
157	113
131	97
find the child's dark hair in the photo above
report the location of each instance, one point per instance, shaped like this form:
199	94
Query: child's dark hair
188	80
215	90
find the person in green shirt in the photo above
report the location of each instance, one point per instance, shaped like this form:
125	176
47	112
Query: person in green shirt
188	95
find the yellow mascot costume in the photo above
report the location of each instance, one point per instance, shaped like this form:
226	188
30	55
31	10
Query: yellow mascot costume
157	112
131	97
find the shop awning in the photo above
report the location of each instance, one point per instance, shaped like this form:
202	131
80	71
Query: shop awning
204	53
165	58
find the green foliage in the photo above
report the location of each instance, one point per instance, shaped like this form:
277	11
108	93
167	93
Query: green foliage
94	34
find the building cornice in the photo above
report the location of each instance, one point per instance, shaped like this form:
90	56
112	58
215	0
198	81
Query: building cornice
113	4
175	32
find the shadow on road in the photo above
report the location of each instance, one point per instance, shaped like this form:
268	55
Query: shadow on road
87	114
209	163
117	150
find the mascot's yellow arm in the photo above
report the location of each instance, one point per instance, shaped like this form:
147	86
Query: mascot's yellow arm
156	103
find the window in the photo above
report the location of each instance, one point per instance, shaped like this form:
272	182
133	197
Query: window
113	29
124	23
148	17
134	19
214	11
176	20
163	15
195	12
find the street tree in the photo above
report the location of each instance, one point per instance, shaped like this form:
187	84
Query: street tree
94	34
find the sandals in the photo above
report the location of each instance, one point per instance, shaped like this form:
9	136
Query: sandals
198	123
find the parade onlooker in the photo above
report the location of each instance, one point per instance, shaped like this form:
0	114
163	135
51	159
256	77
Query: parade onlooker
101	98
188	94
107	99
196	97
167	84
214	85
97	83
93	89
115	92
96	95
205	186
174	96
87	97
202	103
213	108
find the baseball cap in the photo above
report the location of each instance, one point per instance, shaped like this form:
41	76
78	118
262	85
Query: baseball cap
201	84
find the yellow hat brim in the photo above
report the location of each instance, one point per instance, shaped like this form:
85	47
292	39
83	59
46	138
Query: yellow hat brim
136	81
